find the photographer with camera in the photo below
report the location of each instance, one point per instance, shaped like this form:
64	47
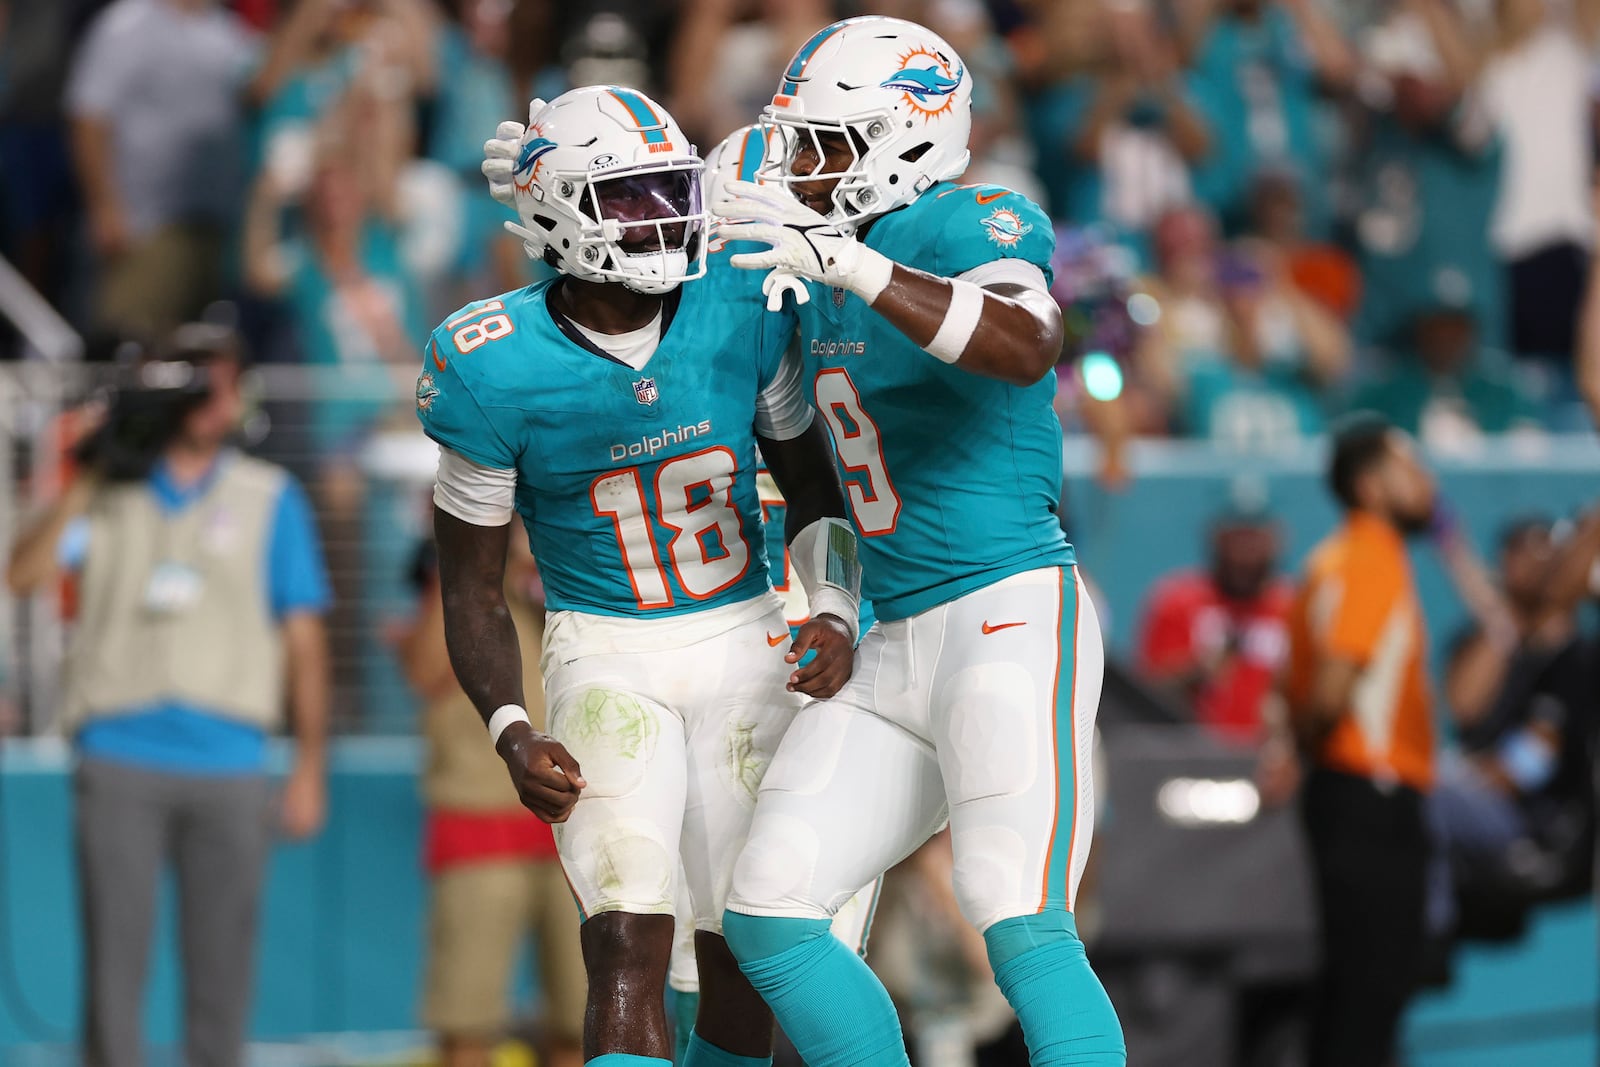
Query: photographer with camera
200	593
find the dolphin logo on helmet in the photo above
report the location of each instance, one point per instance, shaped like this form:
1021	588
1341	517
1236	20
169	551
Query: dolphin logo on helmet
923	82
532	152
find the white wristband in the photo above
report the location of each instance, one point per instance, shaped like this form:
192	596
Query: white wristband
504	716
960	321
828	600
871	273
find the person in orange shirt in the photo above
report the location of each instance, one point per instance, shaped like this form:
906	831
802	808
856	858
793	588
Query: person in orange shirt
1360	708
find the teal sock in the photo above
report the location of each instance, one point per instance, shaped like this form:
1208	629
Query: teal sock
826	998
703	1053
1067	1019
624	1059
685	1006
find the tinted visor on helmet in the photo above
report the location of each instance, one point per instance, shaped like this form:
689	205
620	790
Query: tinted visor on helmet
650	210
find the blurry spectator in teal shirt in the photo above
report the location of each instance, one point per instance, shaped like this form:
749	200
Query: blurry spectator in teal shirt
1258	396
1430	175
325	239
1256	68
1449	389
1116	141
476	92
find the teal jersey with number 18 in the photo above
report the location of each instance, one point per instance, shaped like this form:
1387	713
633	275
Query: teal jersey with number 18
637	487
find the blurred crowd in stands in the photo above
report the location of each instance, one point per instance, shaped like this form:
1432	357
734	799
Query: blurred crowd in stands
1270	211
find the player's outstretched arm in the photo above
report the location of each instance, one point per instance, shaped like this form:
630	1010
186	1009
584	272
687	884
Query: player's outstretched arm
482	639
1006	330
822	545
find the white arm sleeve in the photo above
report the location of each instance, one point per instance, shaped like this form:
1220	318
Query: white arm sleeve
782	412
473	493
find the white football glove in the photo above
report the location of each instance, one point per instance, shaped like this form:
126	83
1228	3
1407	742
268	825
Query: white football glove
500	161
804	244
500	156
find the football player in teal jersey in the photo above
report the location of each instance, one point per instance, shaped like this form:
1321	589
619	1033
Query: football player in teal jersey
929	339
618	410
741	155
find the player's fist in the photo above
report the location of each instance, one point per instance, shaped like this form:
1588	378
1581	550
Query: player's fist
829	637
547	778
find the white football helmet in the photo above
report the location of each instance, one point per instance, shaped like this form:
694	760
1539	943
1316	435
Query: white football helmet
607	188
897	91
740	156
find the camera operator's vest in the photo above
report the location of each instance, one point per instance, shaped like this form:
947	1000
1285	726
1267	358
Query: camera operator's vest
174	606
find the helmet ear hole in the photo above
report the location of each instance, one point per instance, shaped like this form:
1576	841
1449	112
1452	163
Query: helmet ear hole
916	152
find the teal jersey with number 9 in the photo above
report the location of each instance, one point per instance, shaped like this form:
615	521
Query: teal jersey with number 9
637	487
953	479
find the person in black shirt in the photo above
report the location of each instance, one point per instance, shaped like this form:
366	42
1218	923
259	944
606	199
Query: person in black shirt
1513	813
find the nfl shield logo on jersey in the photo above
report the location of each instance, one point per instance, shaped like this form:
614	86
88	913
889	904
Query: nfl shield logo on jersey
838	297
645	391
